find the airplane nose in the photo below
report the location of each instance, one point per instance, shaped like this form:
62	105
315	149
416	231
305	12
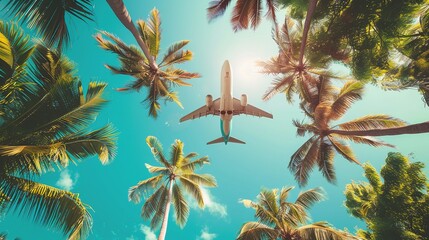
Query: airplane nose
226	66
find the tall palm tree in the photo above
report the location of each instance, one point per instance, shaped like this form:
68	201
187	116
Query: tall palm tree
133	63
173	179
279	219
49	17
43	126
245	12
327	139
123	15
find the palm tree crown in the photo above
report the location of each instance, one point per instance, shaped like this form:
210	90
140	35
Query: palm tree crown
173	179
279	219
134	63
43	126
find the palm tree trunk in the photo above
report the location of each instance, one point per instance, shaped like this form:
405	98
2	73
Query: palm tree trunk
311	7
163	230
409	129
121	12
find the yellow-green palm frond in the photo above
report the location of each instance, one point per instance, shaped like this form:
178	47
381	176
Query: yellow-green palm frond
206	180
172	51
193	189
369	122
181	208
344	150
310	197
293	214
156	148
177	153
47	205
176	77
372	141
151	205
6	55
257	231
322	231
325	160
151	32
153	169
118	47
135	192
180	56
267	198
191	166
304	159
349	93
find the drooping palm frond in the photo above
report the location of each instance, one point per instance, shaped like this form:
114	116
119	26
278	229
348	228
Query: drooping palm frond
322	231
151	204
256	231
308	198
49	17
325	160
217	8
47	205
304	159
180	206
343	149
135	192
193	189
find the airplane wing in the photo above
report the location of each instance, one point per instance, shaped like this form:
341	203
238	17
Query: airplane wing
249	110
203	111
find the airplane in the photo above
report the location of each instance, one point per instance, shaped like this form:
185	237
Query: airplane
226	107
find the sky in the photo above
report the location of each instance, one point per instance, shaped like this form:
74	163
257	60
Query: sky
241	170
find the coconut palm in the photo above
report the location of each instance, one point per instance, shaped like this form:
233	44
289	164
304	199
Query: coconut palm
173	179
123	15
49	17
43	126
133	63
245	13
279	219
327	139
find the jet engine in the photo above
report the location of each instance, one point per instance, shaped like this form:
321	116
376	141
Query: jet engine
209	101
243	100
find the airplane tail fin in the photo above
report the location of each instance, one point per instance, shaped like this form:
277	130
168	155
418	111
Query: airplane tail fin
235	140
217	140
221	140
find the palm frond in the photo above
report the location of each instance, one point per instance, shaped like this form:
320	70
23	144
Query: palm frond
135	192
153	32
266	216
52	207
268	200
284	84
191	166
217	8
256	231
310	197
160	209
181	208
246	12
177	153
344	150
303	160
156	148
154	169
322	231
369	122
6	51
50	16
326	160
151	204
193	189
172	50
349	93
372	141
206	180
284	194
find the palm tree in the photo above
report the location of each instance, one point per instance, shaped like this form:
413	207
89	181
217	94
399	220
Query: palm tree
123	15
175	177
326	140
279	219
245	12
134	63
43	126
49	17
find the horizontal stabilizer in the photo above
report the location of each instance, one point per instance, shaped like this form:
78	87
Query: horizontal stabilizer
235	140
218	140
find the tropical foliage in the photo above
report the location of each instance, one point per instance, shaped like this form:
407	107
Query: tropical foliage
134	63
279	219
49	17
396	207
171	182
43	126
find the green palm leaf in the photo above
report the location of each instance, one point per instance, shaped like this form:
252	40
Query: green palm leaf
310	197
349	93
135	192
156	148
206	180
190	167
369	122
180	206
6	51
151	205
171	52
256	231
193	189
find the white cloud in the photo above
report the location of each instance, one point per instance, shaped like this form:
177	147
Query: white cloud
211	205
206	235
150	235
130	238
66	182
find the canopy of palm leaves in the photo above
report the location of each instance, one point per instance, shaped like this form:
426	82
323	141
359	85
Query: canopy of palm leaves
279	219
246	12
134	63
43	126
50	17
175	177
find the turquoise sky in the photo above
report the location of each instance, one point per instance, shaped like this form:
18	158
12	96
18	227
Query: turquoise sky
241	170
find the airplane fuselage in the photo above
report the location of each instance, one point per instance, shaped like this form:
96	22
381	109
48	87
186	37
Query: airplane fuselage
226	101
